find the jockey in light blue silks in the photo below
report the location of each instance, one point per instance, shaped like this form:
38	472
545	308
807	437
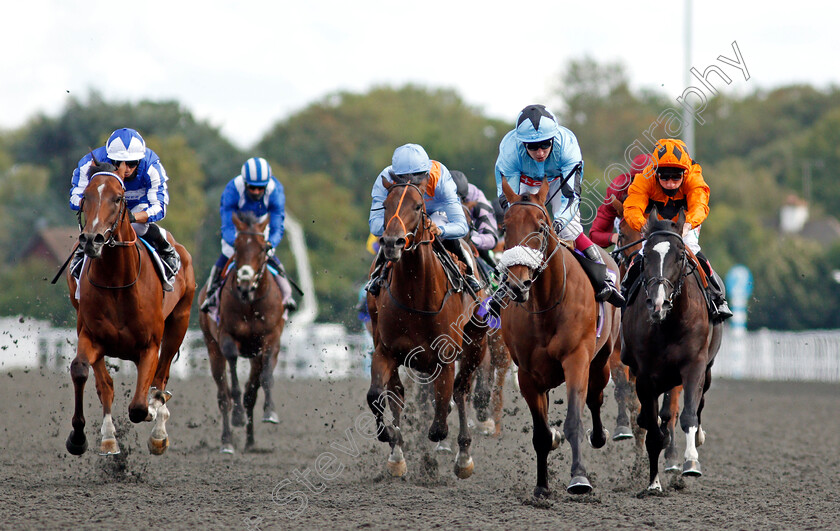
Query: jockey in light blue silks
410	162
255	190
146	195
538	149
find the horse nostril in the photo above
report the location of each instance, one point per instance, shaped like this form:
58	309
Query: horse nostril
82	239
401	242
649	304
99	239
527	284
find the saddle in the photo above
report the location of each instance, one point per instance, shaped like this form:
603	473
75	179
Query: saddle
161	268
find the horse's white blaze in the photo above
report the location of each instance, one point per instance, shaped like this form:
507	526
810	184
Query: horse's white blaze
662	248
98	189
245	273
108	430
690	447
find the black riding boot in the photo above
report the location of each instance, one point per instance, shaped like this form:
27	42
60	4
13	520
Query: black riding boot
606	291
373	285
460	250
721	311
211	299
76	263
172	261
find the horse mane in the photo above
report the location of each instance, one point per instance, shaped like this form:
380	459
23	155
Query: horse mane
247	216
660	225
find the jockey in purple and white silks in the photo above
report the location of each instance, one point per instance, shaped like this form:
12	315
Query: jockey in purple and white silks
484	232
539	149
442	205
146	194
255	190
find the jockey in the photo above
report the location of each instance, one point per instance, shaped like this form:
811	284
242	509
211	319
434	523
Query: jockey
442	204
603	231
255	190
673	181
146	195
540	149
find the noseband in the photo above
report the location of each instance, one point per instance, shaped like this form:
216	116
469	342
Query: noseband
529	256
649	282
423	217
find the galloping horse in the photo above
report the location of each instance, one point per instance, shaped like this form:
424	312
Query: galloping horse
251	321
420	322
669	341
488	396
627	248
553	332
123	312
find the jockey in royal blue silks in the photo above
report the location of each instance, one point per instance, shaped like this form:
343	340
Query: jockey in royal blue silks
539	149
146	195
255	190
442	204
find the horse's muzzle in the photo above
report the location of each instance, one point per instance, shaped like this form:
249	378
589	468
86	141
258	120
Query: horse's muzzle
91	244
392	247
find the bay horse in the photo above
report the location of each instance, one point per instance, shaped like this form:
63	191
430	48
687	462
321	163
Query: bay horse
669	340
420	322
627	248
123	312
251	321
552	332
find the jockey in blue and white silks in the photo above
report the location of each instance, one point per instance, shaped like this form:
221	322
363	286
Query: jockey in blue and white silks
254	190
538	148
442	205
146	192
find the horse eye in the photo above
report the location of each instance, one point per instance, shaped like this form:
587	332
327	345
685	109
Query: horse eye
418	207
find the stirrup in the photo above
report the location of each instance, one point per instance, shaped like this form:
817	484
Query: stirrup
473	282
373	286
209	302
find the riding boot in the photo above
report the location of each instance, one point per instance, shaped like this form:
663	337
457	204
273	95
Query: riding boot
172	261
720	310
76	264
607	290
461	253
211	299
373	285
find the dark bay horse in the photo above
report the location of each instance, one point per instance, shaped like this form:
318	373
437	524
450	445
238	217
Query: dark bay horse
627	248
123	312
251	321
669	341
421	323
551	329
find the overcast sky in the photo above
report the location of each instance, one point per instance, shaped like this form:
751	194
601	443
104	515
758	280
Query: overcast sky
244	65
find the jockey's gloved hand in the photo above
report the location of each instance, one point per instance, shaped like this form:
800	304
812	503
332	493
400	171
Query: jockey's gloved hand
270	252
131	217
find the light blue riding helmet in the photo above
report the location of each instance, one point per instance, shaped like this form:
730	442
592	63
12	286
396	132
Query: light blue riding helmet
410	158
125	144
256	172
535	124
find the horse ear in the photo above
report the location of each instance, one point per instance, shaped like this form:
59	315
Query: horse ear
262	225
652	218
617	205
543	193
240	225
388	184
508	191
681	219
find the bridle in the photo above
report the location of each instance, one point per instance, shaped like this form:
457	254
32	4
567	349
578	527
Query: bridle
649	282
255	282
425	221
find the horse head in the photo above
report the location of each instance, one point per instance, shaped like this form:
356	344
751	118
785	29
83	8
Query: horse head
405	215
664	265
102	209
529	240
251	251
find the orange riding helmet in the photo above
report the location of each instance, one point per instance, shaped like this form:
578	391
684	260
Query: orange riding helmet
671	153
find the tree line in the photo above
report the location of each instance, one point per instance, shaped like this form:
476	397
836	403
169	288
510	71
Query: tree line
753	150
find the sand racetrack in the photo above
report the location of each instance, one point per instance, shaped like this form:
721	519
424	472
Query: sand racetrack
770	461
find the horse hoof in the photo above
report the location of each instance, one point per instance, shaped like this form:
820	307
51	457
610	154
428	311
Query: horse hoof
600	442
443	447
622	433
76	449
226	448
158	446
579	485
397	469
655	485
556	439
464	468
487	427
691	468
109	447
272	417
673	466
541	492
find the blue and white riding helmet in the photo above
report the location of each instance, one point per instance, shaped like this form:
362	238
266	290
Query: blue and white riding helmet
125	144
256	172
410	158
535	124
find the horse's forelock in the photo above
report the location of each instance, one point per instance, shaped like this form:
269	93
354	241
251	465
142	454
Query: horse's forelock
660	225
248	217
